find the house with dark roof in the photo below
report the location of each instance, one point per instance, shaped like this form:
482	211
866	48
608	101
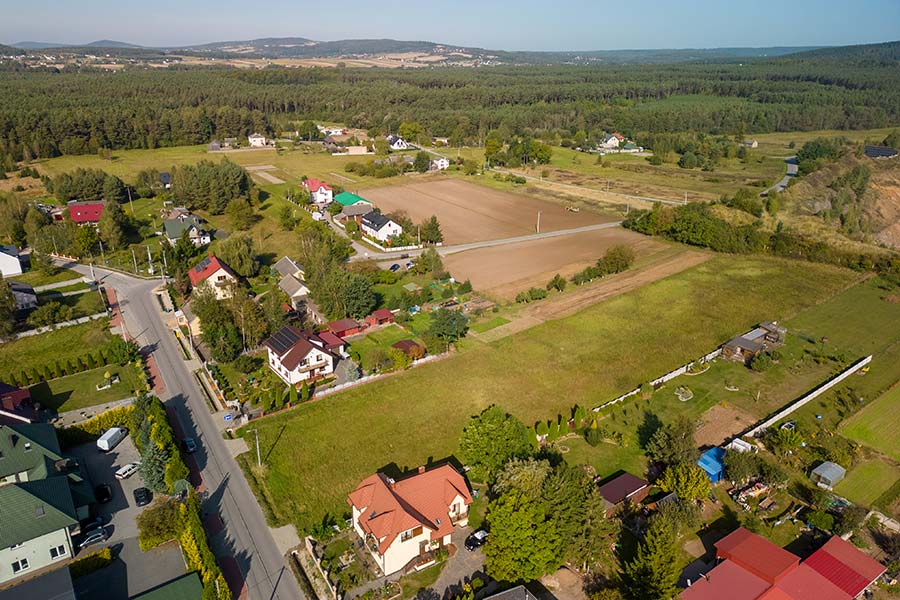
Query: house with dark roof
52	585
165	180
215	275
380	227
402	522
623	488
23	294
750	567
184	221
82	212
520	592
297	356
746	347
397	143
411	348
43	496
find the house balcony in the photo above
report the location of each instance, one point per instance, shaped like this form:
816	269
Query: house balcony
460	518
313	366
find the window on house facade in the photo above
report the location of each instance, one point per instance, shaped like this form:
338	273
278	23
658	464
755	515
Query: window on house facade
20	565
57	552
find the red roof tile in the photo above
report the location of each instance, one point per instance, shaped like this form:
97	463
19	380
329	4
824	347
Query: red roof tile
845	566
728	580
422	499
314	184
331	340
292	345
382	313
85	212
206	268
338	327
756	554
803	583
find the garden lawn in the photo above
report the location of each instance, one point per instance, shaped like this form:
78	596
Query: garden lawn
878	424
60	344
381	338
867	481
83	305
589	358
79	391
489	324
37	279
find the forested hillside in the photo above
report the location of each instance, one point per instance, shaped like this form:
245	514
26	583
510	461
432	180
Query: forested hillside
49	113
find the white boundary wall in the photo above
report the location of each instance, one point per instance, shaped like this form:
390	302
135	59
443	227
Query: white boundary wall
815	393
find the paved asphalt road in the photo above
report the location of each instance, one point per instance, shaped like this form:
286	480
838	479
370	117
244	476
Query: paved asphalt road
364	253
793	167
266	574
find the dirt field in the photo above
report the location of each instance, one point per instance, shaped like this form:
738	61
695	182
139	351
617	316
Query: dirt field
504	271
471	213
721	423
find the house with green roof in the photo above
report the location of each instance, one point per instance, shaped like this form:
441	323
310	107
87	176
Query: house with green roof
181	222
43	496
186	587
347	199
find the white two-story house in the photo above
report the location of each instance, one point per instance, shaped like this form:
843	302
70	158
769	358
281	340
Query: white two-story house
42	498
214	274
379	226
401	522
319	191
297	356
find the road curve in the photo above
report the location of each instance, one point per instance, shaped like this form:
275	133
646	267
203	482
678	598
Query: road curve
793	168
246	534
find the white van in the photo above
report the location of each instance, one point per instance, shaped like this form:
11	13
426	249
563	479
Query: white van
127	471
111	438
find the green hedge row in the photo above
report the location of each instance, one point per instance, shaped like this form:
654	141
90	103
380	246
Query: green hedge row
116	351
90	563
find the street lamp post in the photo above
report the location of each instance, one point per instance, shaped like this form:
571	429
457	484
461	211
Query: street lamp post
258	460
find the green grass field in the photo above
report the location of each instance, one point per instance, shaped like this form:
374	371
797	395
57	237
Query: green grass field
867	481
878	424
36	278
489	324
83	305
61	344
588	358
79	391
381	338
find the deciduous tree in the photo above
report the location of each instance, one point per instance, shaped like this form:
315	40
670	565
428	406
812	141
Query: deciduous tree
492	438
523	544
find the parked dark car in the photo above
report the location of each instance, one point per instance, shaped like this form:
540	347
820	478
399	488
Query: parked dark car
476	540
143	496
103	493
189	445
404	255
395	267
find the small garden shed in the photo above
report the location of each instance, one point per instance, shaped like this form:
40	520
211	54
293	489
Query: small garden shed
828	474
711	461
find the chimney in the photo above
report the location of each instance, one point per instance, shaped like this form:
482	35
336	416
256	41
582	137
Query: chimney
421	469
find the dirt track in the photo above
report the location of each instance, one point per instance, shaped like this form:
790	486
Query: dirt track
504	271
472	213
583	297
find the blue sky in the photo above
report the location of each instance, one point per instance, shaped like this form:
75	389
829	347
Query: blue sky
507	25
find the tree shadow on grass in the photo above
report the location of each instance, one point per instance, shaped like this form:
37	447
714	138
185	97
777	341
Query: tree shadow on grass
42	393
650	425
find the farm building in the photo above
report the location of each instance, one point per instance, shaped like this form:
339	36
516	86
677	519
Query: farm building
622	488
345	327
256	140
750	567
411	348
828	474
712	463
746	347
381	316
348	199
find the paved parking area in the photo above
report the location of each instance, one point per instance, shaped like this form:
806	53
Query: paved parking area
133	572
121	512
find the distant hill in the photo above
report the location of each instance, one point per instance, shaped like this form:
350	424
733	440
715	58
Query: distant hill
885	52
112	44
10	51
38	45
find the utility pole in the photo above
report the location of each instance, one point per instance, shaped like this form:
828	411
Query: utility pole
130	203
258	460
55	249
539	222
93	278
134	259
102	255
149	260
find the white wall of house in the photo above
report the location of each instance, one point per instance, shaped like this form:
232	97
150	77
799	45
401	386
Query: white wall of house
37	554
221	283
301	374
439	164
385	233
401	551
256	141
322	196
9	265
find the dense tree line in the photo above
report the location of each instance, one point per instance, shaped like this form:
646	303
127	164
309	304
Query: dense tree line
697	225
211	186
45	114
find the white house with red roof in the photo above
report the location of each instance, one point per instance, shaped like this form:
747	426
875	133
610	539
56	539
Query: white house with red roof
319	191
214	274
297	356
402	521
82	212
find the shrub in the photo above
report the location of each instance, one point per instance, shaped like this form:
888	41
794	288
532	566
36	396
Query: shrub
158	524
90	563
537	293
761	362
821	520
594	437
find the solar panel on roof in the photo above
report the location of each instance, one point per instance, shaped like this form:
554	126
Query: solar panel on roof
283	339
880	152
